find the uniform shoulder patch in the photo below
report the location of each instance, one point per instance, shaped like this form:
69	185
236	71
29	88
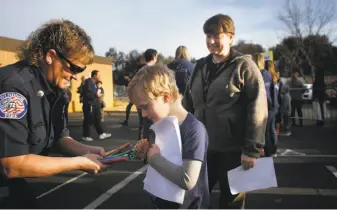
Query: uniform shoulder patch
12	105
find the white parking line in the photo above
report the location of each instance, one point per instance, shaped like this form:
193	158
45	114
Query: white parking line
61	185
79	176
115	189
332	169
308	156
292	191
287	151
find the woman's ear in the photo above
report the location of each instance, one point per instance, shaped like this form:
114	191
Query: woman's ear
50	56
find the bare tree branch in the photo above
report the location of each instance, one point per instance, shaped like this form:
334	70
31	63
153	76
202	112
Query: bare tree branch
301	23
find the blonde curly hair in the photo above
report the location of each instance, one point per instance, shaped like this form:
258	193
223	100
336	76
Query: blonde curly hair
151	82
61	35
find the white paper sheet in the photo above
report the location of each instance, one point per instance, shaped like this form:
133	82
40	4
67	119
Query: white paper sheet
168	140
261	176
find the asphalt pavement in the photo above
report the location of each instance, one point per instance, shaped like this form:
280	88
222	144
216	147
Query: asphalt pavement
306	170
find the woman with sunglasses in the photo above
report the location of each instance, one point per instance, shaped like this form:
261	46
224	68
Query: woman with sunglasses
32	111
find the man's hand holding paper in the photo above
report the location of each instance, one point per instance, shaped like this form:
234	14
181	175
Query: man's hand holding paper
247	162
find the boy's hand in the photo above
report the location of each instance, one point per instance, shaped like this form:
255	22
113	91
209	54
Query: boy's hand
141	148
153	150
247	162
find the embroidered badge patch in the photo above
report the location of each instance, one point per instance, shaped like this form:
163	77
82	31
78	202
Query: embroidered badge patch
13	105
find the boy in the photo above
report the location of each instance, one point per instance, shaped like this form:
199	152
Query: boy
154	91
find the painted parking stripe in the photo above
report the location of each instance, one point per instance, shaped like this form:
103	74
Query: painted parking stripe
61	185
102	198
332	169
293	191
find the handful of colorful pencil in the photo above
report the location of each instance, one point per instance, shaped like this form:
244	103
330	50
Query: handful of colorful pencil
124	152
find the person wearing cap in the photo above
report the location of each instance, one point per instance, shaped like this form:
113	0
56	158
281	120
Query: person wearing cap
32	111
226	92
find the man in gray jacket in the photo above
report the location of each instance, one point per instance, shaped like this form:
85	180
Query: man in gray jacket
226	92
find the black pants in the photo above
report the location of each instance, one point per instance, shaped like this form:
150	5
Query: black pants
143	127
219	163
321	103
297	105
270	146
92	115
127	111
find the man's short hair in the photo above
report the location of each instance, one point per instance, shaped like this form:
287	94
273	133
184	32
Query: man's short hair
149	54
152	82
219	24
94	73
100	82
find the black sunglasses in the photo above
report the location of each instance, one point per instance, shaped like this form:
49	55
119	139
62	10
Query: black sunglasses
73	68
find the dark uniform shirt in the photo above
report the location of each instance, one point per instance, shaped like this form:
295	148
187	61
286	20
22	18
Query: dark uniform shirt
31	118
90	93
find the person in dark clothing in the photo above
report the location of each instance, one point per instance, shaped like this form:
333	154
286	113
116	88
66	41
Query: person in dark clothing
92	108
226	93
297	89
285	110
319	95
182	67
80	88
32	112
128	77
151	57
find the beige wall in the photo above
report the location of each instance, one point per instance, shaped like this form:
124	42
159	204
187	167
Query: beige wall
7	58
106	77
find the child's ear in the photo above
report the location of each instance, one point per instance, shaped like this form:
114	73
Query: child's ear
166	97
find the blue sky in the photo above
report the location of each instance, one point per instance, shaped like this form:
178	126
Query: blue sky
142	24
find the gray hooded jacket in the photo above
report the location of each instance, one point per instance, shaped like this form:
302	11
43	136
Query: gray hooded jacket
234	110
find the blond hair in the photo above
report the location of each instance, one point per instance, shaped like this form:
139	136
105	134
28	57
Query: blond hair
259	60
270	66
182	53
152	82
61	35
